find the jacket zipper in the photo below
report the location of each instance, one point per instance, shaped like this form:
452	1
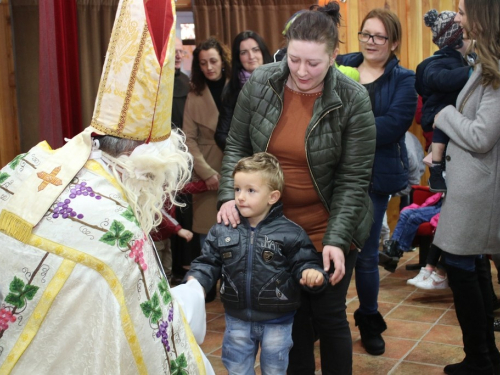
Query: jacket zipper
249	274
305	145
281	112
309	165
400	159
307	154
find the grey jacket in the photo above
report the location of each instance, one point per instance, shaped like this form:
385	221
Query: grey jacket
339	143
470	216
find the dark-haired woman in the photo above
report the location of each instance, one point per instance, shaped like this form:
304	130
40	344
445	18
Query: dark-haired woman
394	100
209	74
469	225
320	126
249	52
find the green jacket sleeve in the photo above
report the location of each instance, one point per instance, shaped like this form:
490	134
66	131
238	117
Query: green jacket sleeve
350	211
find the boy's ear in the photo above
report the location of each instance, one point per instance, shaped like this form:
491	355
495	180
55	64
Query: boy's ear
274	197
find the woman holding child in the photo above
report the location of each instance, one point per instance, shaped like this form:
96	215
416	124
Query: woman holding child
320	126
470	216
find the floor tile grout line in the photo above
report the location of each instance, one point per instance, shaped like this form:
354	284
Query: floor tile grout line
419	341
401	360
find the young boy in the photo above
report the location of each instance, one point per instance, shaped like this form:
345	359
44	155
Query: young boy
263	262
439	80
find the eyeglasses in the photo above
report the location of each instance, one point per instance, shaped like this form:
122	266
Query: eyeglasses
180	52
377	39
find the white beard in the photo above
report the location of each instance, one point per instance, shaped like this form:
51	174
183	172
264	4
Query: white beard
151	176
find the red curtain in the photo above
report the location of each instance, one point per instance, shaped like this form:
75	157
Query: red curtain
59	90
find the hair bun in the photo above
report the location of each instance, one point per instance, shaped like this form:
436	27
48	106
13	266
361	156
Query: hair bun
431	17
332	9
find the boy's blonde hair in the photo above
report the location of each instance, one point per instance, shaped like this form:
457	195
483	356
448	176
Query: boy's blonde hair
267	165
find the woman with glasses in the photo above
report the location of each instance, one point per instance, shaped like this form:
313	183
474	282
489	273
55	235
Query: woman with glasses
249	52
394	100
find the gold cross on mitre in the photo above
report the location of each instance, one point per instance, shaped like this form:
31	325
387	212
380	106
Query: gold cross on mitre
49	178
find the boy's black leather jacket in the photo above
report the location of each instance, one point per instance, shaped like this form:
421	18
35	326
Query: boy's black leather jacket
260	269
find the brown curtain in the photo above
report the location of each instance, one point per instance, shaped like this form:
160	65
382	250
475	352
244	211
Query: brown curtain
95	22
226	18
25	18
9	133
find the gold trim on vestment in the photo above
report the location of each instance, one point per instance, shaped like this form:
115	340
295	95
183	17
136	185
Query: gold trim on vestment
37	317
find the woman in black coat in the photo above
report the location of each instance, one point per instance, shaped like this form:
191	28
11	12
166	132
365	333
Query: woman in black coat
249	52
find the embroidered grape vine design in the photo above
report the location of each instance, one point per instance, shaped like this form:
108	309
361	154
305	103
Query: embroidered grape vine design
63	209
3	177
6	317
18	159
19	295
137	254
152	310
178	366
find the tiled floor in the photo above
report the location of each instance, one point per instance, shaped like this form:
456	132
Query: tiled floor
422	336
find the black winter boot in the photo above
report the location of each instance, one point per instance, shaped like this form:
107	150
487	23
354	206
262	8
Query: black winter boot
471	314
371	328
389	257
436	181
490	300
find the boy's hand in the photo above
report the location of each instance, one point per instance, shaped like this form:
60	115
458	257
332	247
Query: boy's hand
311	278
213	182
186	234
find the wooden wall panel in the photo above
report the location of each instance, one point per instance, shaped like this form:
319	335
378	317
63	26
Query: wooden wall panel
184	5
9	134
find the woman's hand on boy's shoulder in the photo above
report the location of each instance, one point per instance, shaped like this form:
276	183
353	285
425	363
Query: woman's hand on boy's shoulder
228	214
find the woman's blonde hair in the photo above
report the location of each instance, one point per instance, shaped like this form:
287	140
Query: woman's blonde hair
265	164
483	24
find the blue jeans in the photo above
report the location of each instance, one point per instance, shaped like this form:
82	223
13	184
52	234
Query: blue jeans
464	262
408	223
367	277
241	343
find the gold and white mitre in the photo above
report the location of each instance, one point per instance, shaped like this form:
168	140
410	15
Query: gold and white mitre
135	93
134	101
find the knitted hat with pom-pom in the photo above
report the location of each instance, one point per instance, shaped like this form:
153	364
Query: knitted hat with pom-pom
445	31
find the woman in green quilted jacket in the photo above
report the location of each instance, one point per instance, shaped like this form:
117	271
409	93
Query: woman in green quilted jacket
320	126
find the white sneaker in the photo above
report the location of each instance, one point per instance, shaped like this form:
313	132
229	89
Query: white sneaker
433	282
422	275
